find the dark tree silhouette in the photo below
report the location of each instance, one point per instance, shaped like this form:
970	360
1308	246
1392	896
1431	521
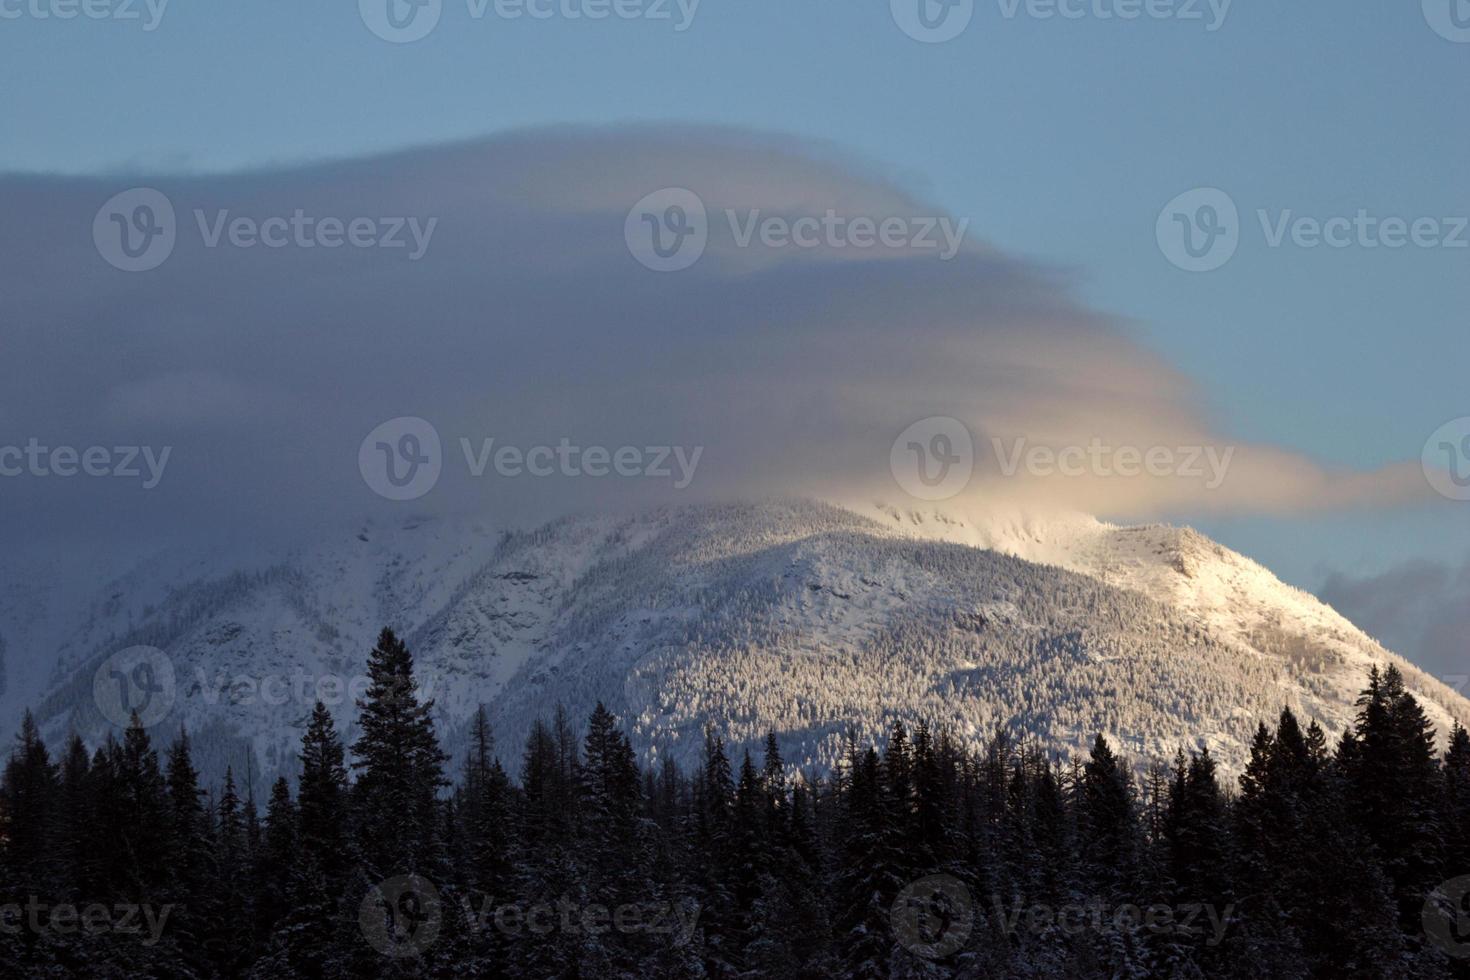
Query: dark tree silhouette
916	858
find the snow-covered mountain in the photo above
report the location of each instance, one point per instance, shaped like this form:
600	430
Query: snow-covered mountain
799	617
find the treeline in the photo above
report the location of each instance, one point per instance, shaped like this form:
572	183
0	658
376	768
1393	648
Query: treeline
922	859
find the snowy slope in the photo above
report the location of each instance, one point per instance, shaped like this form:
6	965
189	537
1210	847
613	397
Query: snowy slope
1238	600
799	617
253	642
29	620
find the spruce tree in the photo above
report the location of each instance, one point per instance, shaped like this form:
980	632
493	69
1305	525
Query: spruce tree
550	869
28	802
323	791
715	841
1396	784
795	876
613	838
873	871
145	816
400	769
486	813
275	864
233	935
75	811
1456	808
1107	822
488	831
308	931
195	872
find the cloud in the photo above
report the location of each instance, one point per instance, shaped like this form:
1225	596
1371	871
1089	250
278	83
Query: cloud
196	399
528	320
1420	609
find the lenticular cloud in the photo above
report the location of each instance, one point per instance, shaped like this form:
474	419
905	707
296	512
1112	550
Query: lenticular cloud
527	317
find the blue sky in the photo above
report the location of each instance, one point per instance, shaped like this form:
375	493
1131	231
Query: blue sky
1059	139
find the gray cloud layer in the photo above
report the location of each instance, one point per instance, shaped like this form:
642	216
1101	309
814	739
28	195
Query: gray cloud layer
528	320
1420	609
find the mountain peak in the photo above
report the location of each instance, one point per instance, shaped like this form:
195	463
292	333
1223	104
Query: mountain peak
800	617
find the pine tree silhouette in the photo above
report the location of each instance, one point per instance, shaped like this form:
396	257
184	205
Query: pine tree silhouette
1311	870
400	768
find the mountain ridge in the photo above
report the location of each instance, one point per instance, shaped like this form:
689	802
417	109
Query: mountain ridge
806	618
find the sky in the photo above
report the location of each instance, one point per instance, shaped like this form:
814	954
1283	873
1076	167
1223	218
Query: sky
1058	140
